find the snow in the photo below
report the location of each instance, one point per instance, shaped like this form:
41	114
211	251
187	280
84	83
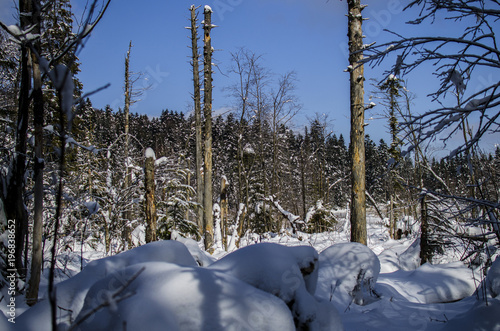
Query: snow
88	28
72	292
410	258
14	30
481	317
456	78
493	278
281	284
475	104
161	161
259	264
208	9
4	324
289	273
92	206
150	153
201	257
248	149
432	283
217	228
185	298
348	273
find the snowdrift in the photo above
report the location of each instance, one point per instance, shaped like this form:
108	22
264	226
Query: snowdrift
348	273
166	296
174	285
72	292
160	286
432	283
290	273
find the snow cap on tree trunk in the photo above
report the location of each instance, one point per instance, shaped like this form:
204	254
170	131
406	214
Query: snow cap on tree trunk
150	153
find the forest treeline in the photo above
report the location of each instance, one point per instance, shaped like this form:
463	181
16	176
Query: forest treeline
282	174
311	181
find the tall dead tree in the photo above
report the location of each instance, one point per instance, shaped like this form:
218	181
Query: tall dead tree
356	69
14	204
391	88
132	96
127	233
197	116
149	184
207	111
38	119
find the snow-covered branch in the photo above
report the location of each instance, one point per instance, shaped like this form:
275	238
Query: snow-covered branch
456	59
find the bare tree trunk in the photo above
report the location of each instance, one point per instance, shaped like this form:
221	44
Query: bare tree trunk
223	211
38	114
358	199
14	205
127	215
107	236
303	181
392	219
425	249
207	110
149	184
197	116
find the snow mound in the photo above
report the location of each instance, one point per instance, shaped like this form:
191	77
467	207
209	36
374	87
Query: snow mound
290	273
273	268
203	259
432	283
71	293
493	278
410	259
389	261
174	297
481	317
4	324
347	273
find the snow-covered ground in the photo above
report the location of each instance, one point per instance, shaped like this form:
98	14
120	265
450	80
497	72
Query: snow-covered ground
274	282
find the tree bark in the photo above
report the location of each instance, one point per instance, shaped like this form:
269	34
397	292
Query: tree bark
197	116
127	215
358	199
207	110
425	249
38	114
14	205
149	184
223	211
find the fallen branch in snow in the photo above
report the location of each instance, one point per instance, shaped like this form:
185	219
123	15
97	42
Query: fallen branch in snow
293	219
113	299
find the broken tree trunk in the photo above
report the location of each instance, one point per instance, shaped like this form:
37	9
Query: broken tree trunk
150	207
207	110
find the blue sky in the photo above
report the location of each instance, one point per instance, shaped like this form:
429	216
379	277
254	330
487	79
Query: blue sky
307	36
